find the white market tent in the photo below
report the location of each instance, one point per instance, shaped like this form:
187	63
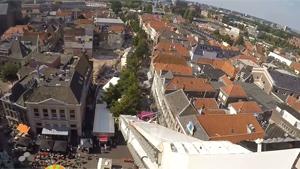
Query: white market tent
54	132
113	81
103	121
104	163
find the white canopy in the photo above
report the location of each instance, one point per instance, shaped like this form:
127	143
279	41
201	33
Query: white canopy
54	132
113	81
103	121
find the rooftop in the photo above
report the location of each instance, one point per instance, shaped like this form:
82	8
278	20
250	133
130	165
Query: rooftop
246	107
205	103
221	64
285	81
179	103
268	102
192	152
234	90
189	84
108	21
293	102
65	84
232	128
175	64
176	48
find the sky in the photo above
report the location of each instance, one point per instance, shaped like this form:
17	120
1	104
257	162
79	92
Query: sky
285	12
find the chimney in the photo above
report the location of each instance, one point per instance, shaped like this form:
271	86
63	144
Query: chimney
259	144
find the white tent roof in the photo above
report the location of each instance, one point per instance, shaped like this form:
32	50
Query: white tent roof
113	81
54	132
103	120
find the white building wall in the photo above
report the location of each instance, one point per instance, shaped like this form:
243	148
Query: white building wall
280	58
290	118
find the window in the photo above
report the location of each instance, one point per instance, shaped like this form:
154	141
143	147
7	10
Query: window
35	110
72	114
45	113
62	114
39	124
73	126
53	113
36	114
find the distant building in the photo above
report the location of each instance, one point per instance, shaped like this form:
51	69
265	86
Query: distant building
287	119
203	51
233	32
277	83
231	93
51	98
280	58
245	107
78	40
13	51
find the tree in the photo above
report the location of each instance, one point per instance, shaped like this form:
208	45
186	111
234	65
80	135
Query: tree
129	103
191	15
111	95
116	6
148	8
9	71
240	40
186	13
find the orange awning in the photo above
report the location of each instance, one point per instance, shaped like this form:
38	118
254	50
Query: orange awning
23	128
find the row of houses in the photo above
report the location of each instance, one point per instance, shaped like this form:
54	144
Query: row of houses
211	97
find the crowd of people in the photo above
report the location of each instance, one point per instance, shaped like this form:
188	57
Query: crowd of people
44	159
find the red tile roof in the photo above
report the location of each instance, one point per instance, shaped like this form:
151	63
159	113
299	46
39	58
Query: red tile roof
18	29
64	13
171	63
176	48
213	111
205	103
158	25
231	127
148	17
245	57
225	80
234	90
189	84
247	107
116	28
294	103
296	66
83	22
221	64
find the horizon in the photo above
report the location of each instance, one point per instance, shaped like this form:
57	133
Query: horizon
281	12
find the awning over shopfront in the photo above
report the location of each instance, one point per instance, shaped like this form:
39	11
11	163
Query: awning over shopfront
103	121
103	138
54	132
